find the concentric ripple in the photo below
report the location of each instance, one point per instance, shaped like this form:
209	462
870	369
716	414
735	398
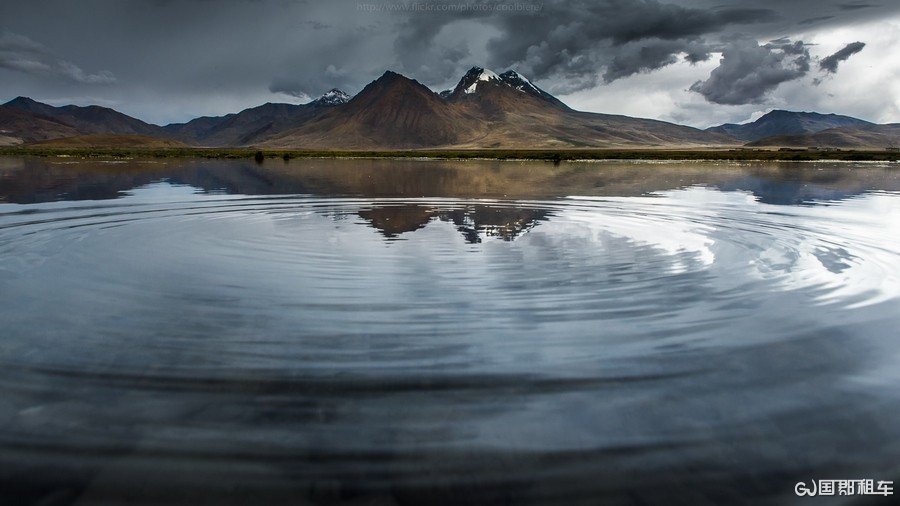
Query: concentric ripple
418	349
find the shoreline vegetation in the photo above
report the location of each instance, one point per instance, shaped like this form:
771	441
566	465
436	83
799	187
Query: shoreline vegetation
553	155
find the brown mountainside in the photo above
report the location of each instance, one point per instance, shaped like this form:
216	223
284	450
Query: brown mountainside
91	119
255	124
18	126
391	112
483	111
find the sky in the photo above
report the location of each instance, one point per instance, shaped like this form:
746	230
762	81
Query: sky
694	62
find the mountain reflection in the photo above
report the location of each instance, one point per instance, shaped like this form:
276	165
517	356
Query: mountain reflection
25	180
395	220
472	222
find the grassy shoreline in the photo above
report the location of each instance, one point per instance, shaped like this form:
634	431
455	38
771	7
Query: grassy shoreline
495	154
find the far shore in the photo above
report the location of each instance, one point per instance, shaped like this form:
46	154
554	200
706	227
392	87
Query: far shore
553	155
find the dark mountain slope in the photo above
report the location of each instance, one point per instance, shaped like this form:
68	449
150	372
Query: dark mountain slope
390	112
864	137
18	126
484	110
255	124
781	122
91	119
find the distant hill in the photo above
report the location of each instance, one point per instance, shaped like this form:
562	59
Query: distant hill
484	110
110	141
91	119
779	122
18	126
863	137
253	125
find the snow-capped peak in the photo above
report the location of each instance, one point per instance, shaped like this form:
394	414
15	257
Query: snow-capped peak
334	96
517	81
469	83
482	75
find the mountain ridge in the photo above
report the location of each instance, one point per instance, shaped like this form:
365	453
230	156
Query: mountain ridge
482	111
485	110
91	119
783	122
18	126
253	124
391	111
871	136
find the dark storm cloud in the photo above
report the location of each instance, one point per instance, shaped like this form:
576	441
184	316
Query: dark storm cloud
748	71
21	54
830	63
570	46
648	55
574	41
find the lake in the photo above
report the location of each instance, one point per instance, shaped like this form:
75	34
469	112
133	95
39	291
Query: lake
331	331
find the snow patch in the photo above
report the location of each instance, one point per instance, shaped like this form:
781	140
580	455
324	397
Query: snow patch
518	81
334	97
485	75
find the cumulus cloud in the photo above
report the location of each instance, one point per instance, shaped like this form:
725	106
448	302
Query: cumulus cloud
574	42
748	71
830	63
576	45
623	38
650	55
22	54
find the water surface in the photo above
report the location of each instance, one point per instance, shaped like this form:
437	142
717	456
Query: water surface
430	332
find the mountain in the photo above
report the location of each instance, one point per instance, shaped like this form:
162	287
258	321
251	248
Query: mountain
253	125
18	126
779	122
478	79
391	112
91	119
484	110
333	96
520	83
514	113
469	82
859	137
